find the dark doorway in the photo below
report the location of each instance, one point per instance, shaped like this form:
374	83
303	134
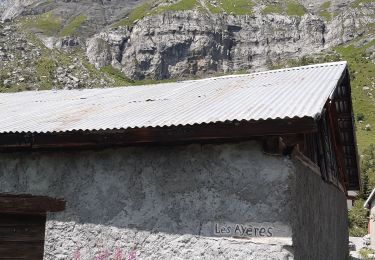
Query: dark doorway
22	236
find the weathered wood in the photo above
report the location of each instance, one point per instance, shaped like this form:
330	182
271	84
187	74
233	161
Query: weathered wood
21	232
22	227
22	236
207	132
27	204
336	142
272	145
22	250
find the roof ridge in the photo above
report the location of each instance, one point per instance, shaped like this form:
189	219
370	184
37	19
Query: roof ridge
311	66
196	80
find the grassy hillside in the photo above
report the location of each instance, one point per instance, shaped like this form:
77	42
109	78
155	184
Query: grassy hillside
153	7
362	71
236	7
51	25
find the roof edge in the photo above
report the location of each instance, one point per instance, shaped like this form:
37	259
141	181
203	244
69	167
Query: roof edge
128	137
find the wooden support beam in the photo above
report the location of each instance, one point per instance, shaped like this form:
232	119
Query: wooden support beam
342	98
336	143
203	132
28	204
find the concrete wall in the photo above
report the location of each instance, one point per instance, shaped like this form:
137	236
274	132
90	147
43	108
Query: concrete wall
320	229
160	202
165	203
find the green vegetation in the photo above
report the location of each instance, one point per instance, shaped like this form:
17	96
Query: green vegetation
181	5
306	60
326	5
362	72
273	9
73	25
214	9
358	215
136	14
324	12
294	8
94	73
46	23
238	7
116	75
152	7
148	9
358	3
45	65
368	171
45	68
326	15
290	7
365	252
4	72
358	219
149	81
51	25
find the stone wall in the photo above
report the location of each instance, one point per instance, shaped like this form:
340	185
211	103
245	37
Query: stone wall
160	202
320	229
166	202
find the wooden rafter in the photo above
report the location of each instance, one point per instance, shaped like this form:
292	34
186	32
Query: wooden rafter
204	132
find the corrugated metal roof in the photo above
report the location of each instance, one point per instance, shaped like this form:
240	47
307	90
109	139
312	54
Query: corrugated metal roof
287	93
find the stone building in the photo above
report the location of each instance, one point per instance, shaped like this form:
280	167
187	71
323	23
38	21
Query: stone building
253	166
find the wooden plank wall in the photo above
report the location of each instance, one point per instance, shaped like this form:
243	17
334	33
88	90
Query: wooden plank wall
22	236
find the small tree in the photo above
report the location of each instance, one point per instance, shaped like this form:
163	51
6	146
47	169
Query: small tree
358	219
368	171
365	252
360	117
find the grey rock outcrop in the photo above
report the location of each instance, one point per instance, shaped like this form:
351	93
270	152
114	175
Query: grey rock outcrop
28	65
12	9
177	44
163	45
98	14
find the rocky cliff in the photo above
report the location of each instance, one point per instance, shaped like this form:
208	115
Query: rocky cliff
176	44
117	42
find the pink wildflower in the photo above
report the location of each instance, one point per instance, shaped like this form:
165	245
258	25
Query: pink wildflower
103	255
118	254
77	255
132	255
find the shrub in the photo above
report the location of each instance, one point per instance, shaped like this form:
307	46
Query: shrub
358	219
360	117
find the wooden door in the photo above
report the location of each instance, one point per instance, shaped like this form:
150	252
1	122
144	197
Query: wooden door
22	236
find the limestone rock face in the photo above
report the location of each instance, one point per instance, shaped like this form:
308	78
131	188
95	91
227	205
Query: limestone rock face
192	43
178	44
11	9
99	13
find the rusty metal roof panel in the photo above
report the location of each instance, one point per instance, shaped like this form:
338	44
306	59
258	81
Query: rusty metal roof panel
278	94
